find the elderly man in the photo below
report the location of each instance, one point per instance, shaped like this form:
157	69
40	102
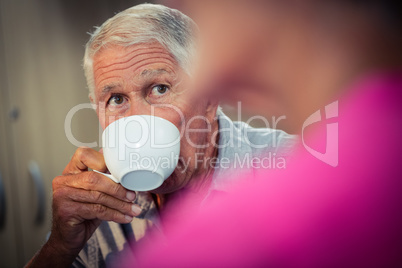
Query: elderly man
139	62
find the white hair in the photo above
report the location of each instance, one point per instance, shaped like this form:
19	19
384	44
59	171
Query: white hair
145	23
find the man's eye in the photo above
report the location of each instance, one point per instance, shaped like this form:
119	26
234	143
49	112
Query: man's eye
116	100
159	90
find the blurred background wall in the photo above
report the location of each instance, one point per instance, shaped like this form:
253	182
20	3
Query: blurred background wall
41	79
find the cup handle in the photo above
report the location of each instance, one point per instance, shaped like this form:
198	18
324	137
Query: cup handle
108	175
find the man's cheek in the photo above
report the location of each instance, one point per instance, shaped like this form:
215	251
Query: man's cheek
188	147
108	119
102	119
197	130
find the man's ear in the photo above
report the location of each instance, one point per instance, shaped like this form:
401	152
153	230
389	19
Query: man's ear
212	106
92	100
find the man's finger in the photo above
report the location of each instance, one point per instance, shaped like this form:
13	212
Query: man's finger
83	159
93	212
95	197
93	181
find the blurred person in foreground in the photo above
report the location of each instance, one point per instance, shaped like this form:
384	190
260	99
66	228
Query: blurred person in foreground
140	62
340	208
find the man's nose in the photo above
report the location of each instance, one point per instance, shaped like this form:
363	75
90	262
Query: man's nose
139	108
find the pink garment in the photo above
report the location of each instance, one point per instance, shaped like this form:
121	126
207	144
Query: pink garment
312	214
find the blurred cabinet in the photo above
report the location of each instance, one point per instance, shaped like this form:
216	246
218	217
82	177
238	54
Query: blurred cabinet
41	80
41	47
8	208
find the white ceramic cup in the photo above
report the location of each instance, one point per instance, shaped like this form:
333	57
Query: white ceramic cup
140	151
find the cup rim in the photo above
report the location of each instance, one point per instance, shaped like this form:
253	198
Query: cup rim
140	115
143	116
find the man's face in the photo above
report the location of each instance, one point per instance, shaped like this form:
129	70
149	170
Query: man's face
145	79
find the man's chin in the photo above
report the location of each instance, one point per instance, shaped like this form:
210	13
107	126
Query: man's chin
168	186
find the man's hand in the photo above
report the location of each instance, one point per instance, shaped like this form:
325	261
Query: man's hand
81	200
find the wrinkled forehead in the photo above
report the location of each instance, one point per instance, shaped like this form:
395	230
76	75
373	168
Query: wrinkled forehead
140	60
134	54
